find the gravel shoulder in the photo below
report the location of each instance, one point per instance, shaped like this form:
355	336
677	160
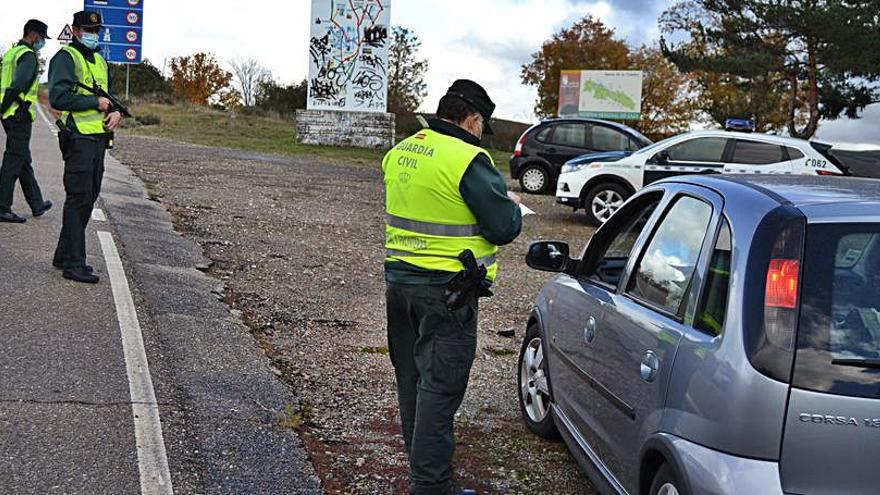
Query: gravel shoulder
297	247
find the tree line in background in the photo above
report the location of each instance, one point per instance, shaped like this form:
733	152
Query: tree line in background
784	64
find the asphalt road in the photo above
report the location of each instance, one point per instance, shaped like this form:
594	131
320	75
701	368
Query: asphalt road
67	421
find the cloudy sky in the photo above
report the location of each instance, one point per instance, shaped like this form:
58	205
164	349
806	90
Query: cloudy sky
485	40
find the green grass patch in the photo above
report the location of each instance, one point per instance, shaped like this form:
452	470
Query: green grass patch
500	352
209	127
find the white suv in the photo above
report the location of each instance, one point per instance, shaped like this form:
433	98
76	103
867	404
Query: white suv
600	184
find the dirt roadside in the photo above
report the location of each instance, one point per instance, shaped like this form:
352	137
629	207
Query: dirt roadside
297	249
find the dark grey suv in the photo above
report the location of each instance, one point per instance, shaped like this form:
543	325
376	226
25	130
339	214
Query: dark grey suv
543	149
719	335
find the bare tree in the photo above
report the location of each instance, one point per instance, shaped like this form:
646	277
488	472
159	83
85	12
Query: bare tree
249	73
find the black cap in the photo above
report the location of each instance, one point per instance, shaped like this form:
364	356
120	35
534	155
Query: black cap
39	27
88	19
476	97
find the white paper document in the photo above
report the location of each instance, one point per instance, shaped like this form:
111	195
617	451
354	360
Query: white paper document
526	210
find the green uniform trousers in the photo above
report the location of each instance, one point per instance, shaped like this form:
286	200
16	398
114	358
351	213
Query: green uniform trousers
17	165
432	350
83	174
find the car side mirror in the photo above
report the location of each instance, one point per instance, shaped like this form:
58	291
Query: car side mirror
549	256
662	157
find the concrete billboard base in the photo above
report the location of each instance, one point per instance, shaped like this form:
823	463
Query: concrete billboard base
340	128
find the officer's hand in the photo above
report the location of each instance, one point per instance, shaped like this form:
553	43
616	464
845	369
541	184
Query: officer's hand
112	121
103	104
514	197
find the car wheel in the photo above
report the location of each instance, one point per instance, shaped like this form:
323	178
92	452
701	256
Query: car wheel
603	200
534	386
534	179
666	483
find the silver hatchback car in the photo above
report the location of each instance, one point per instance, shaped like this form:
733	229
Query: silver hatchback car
718	335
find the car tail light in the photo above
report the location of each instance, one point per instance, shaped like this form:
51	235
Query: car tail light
829	172
773	353
782	284
519	145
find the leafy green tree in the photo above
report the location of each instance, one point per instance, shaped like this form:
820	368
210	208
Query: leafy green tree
669	106
406	73
789	48
283	100
145	80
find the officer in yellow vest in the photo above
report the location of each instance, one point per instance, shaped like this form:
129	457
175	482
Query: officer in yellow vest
86	120
443	196
19	84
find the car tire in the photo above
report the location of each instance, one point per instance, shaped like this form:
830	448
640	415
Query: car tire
666	482
533	388
603	200
534	179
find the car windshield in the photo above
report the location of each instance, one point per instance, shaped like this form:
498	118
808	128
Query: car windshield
641	137
655	146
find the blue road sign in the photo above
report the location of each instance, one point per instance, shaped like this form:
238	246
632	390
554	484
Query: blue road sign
122	35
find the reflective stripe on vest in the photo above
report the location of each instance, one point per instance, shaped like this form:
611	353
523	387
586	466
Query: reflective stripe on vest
10	65
428	223
88	122
429	228
485	261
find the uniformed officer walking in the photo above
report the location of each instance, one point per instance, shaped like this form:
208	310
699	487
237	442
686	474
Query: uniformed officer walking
86	120
19	85
443	196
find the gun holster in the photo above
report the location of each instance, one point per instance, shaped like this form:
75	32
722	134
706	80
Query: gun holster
64	136
469	284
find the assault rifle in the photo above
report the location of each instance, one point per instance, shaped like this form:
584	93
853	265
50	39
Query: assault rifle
468	283
115	104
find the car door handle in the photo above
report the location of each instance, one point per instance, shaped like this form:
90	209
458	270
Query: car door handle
551	150
649	367
590	330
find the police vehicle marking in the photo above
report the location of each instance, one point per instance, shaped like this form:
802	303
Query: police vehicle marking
816	163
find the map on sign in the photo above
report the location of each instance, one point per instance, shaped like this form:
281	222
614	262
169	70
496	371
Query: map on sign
348	55
121	37
601	94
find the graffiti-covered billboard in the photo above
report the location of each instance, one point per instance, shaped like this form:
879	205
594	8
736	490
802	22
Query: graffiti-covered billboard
348	55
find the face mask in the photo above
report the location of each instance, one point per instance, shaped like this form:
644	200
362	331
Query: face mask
90	40
38	45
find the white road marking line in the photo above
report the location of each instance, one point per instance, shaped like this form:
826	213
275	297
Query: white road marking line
46	119
98	215
152	461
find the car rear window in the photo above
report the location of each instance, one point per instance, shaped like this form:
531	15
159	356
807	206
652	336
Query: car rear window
712	311
574	135
709	149
839	331
544	134
605	139
755	153
794	153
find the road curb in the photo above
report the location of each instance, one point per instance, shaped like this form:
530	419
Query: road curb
205	356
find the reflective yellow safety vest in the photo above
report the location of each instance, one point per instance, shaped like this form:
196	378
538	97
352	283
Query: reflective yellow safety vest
10	65
88	122
428	223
